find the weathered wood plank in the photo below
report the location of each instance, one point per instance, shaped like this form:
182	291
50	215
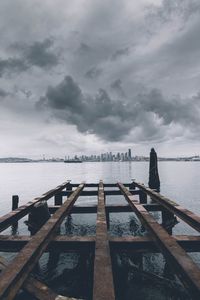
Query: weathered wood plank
97	184
95	193
186	215
146	243
40	290
13	277
109	208
13	216
79	243
187	271
62	243
103	288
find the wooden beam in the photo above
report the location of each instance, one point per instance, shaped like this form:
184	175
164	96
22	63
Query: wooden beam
15	215
13	277
95	193
62	243
187	271
84	243
189	243
113	208
40	290
103	288
186	215
97	184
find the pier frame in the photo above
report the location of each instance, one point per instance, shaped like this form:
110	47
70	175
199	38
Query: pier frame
16	275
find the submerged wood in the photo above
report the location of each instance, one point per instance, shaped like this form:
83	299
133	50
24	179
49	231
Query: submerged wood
38	216
40	290
140	274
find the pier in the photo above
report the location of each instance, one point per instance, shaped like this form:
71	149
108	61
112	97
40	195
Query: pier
18	274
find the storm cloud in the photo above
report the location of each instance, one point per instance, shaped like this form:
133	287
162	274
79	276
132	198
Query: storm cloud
132	75
113	120
37	54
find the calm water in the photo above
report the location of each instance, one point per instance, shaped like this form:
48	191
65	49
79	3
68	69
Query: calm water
179	181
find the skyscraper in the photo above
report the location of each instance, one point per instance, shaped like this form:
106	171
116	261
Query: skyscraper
129	154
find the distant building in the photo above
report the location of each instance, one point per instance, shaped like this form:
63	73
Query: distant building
129	154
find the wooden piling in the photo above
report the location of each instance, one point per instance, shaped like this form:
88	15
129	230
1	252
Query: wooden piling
15	202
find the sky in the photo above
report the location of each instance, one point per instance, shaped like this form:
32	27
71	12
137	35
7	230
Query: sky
91	76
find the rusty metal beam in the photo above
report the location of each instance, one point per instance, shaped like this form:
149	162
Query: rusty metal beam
103	288
186	215
15	215
187	271
13	277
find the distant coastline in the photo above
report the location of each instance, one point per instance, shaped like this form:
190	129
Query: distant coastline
61	160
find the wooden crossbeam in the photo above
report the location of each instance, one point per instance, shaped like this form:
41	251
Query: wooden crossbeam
186	215
103	288
182	264
15	215
95	193
61	242
13	277
147	244
95	185
114	208
79	243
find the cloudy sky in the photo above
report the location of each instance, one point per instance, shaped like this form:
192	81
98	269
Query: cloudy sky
87	76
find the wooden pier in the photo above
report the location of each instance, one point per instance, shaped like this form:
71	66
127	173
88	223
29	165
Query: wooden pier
18	274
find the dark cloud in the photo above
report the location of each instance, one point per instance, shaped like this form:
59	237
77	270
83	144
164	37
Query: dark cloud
3	93
12	65
168	11
94	43
84	49
93	73
37	54
119	53
117	87
113	120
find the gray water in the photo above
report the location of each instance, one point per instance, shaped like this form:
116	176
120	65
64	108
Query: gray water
179	181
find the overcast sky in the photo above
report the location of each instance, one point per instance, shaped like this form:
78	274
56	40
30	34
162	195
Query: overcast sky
87	76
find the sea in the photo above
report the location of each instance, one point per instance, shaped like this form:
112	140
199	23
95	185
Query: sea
137	276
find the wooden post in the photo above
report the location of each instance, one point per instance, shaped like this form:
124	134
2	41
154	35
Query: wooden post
38	216
108	219
168	220
143	197
15	202
154	181
132	186
58	199
69	187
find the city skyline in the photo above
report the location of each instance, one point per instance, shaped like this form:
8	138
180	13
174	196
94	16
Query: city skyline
106	156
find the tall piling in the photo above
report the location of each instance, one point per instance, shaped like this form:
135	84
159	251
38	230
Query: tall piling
154	181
